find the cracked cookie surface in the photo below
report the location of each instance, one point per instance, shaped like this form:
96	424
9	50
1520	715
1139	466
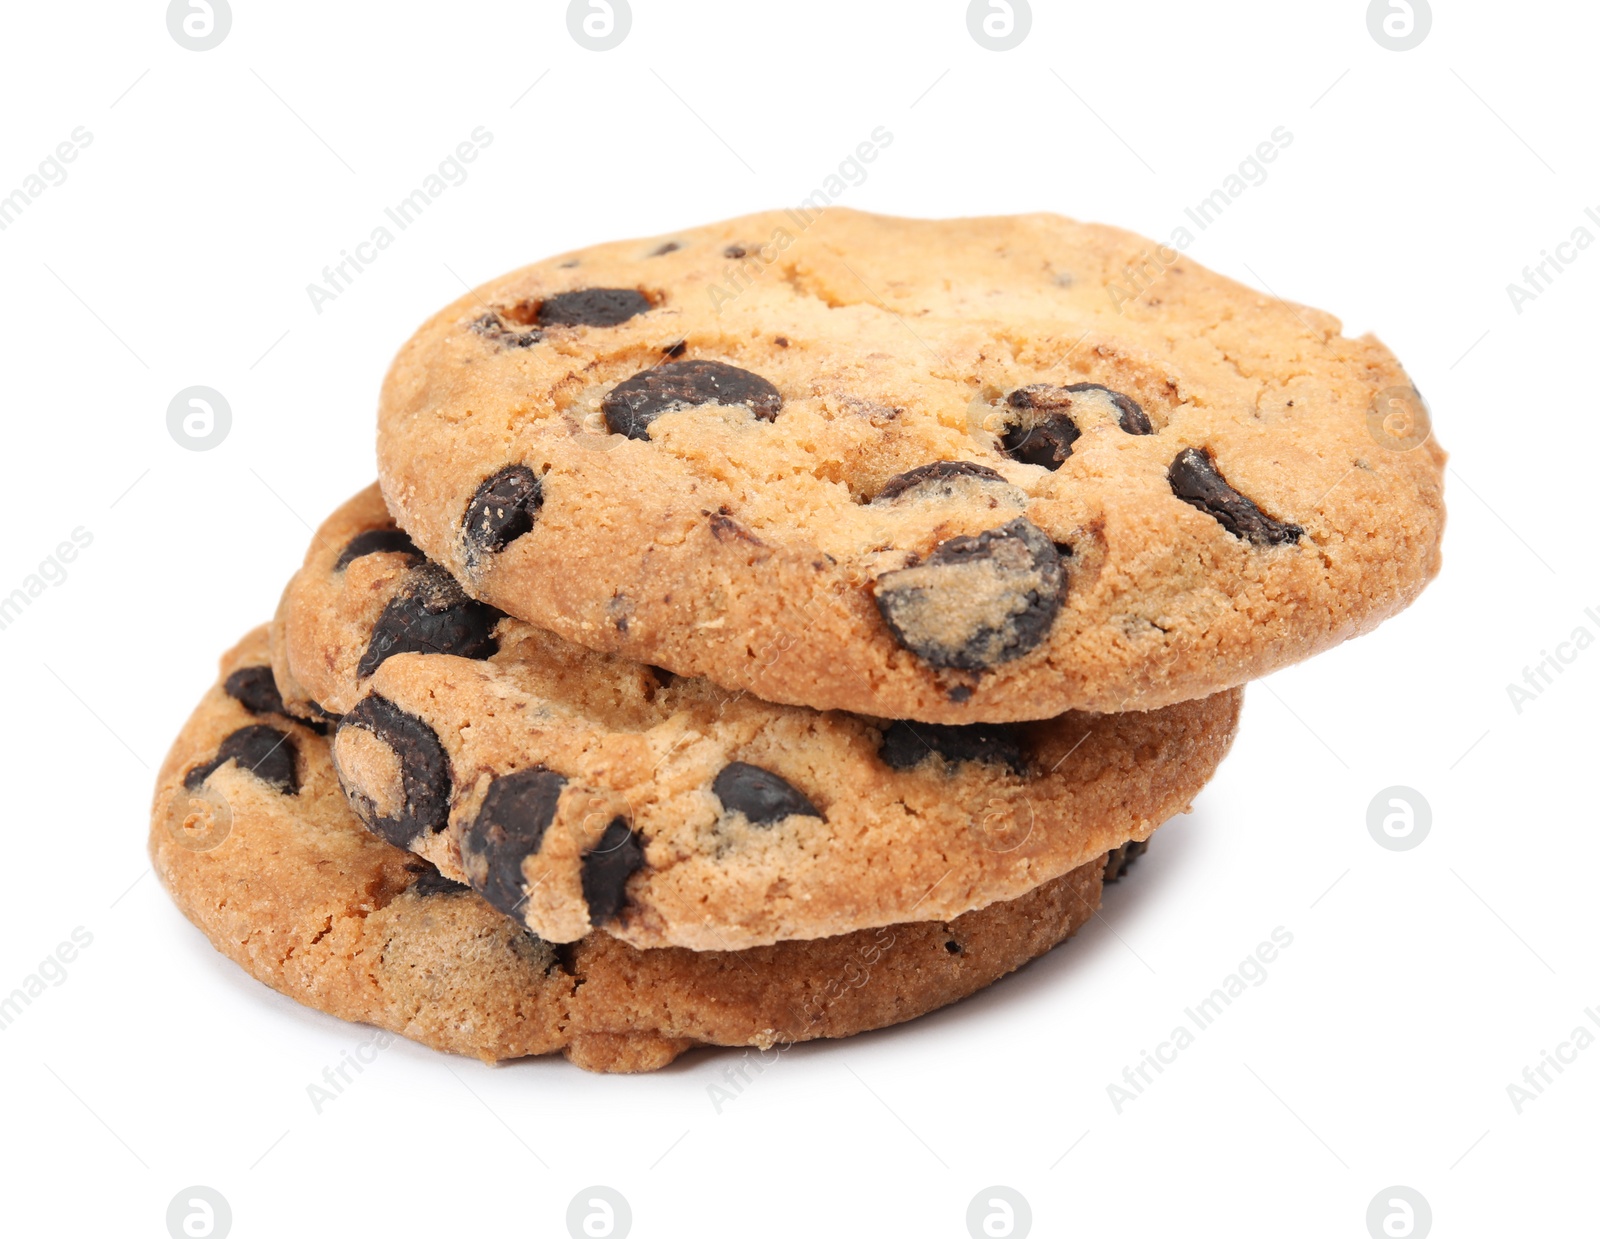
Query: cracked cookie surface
711	458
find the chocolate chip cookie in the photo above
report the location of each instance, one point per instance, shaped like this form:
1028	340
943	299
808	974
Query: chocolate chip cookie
254	841
952	471
577	791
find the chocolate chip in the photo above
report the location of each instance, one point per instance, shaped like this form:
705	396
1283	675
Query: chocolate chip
633	404
517	809
1043	433
1118	859
376	542
1043	430
976	602
433	615
264	751
591	307
781	341
665	248
1130	413
760	795
256	690
502	509
425	782
431	882
940	474
906	744
491	327
1194	478
735	251
953	947
606	870
676	349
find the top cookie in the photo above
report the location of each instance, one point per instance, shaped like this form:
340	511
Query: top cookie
941	470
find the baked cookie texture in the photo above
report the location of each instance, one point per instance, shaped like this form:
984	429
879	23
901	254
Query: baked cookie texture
914	469
254	841
577	791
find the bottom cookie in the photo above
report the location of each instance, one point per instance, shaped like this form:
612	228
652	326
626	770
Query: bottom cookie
253	839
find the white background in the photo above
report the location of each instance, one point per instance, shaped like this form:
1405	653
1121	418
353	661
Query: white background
1419	984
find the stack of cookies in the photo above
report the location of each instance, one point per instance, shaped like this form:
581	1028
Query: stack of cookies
781	629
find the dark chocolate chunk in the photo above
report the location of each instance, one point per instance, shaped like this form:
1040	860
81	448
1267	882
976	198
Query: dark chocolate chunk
932	474
676	349
256	690
431	882
517	809
953	947
976	601
760	795
433	615
502	509
1130	413
425	782
264	751
1044	432
1118	859
606	870
1194	478
591	307
376	542
634	403
906	744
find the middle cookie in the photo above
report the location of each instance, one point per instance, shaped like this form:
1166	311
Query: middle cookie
576	790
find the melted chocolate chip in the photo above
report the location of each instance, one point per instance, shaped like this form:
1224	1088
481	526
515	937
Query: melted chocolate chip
1045	432
424	771
1194	478
633	404
976	602
907	744
256	690
517	809
591	307
502	509
932	475
376	542
1118	859
432	616
1130	413
606	870
431	882
760	795
264	751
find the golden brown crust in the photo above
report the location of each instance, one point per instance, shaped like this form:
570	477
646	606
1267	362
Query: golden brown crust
745	550
292	888
894	842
